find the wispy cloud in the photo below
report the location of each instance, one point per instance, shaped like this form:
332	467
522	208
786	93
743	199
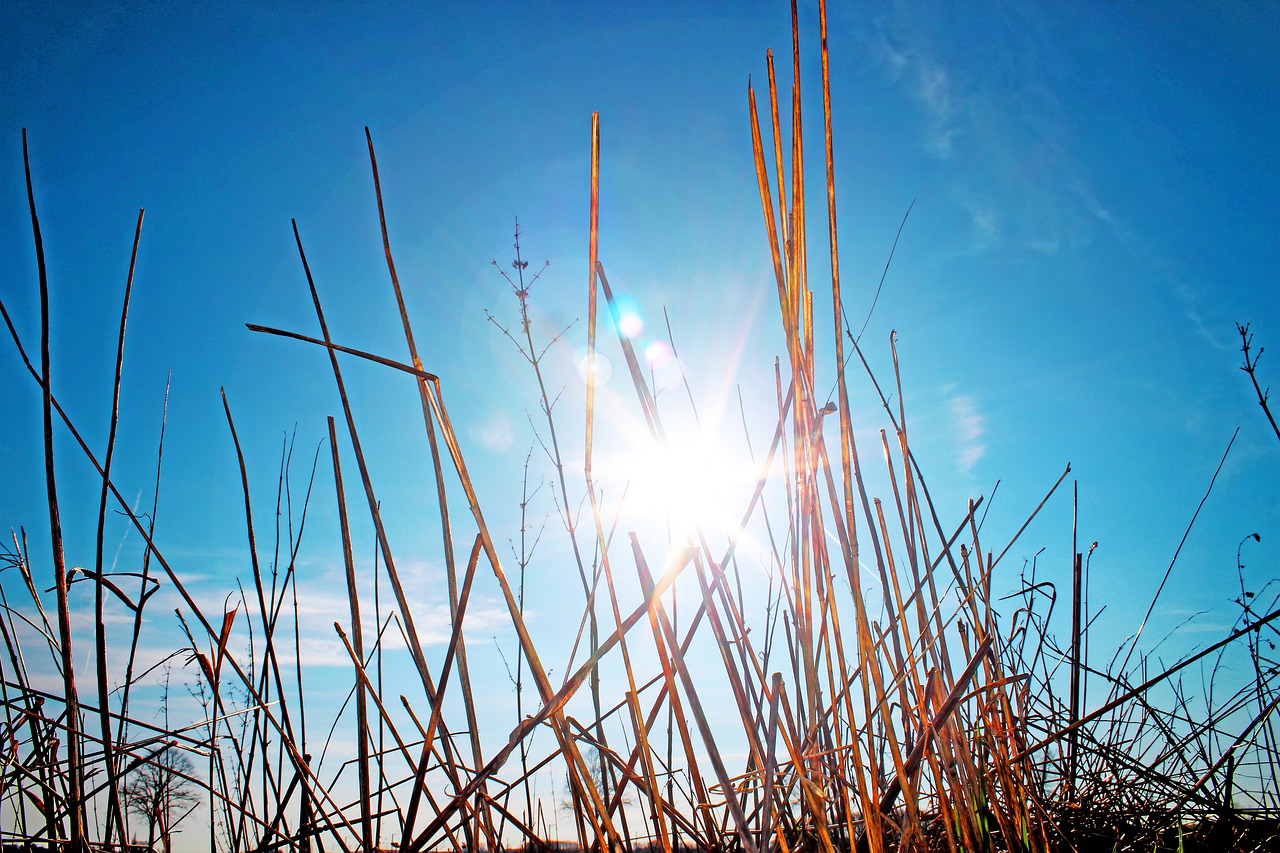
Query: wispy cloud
1152	260
968	426
929	83
1014	154
494	432
1001	126
321	603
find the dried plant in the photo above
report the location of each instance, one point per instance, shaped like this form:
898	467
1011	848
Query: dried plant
879	703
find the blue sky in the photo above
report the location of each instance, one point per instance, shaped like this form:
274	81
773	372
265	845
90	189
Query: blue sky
1095	206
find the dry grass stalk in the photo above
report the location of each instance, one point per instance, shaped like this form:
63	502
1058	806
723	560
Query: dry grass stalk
923	722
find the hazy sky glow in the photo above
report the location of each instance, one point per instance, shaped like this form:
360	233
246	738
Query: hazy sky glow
1095	193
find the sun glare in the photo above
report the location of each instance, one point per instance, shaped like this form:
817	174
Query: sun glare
690	484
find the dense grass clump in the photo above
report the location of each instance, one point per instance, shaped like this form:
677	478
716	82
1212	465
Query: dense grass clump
915	719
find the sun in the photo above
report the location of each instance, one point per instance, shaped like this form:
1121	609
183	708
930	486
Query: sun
689	483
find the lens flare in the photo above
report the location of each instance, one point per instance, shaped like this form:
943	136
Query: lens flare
630	325
658	353
603	369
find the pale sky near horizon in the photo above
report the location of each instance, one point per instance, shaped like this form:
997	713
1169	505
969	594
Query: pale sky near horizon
1096	197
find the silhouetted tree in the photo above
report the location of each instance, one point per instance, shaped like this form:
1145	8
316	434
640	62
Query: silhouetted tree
159	793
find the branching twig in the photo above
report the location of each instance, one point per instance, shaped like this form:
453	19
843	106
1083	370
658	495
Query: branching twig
1250	367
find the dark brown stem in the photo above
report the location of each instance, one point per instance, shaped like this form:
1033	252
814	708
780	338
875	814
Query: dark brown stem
357	639
115	816
1250	367
74	781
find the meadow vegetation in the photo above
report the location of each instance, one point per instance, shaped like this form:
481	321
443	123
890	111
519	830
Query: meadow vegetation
918	718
